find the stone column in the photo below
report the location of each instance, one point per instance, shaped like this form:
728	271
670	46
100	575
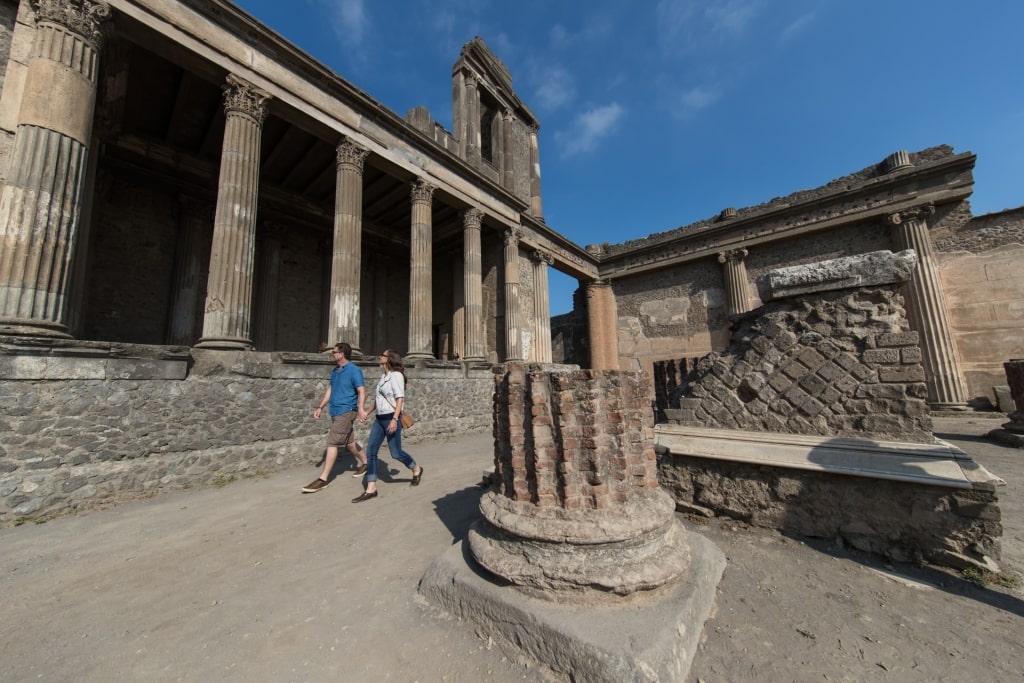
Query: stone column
601	325
457	345
229	290
472	141
420	272
269	270
536	207
473	285
508	146
192	250
541	307
513	326
346	274
41	204
926	308
737	287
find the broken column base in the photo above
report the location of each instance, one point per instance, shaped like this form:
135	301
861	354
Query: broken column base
651	636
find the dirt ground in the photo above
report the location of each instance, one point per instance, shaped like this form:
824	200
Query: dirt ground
257	582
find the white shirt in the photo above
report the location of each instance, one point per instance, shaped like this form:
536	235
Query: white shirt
390	388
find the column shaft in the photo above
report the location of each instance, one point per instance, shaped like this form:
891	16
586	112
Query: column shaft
472	141
227	319
926	308
601	326
737	288
473	285
420	273
508	151
191	251
541	307
536	206
41	203
513	324
346	273
457	341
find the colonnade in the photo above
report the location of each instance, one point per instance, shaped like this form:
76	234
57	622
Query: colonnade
41	211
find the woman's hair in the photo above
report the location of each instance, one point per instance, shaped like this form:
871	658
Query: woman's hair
394	362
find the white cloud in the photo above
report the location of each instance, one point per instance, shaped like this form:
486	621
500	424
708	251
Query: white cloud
589	129
687	25
349	20
556	87
695	99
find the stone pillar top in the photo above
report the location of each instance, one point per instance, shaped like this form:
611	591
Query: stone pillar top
422	191
911	214
513	235
731	254
84	17
351	155
541	256
472	217
242	97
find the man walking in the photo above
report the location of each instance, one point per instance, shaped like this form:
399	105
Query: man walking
346	394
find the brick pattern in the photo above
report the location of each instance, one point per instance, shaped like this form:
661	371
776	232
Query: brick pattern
578	440
831	364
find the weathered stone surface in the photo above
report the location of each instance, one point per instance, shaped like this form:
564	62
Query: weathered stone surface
864	270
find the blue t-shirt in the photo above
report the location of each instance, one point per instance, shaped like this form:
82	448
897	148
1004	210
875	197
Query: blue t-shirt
344	382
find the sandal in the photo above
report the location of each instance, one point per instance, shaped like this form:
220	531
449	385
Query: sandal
416	478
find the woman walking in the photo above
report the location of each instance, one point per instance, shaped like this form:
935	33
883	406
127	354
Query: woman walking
386	424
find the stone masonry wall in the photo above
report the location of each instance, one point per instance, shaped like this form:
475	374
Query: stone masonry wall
830	364
600	418
112	423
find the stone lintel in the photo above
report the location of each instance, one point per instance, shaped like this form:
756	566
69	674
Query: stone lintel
938	464
862	270
74	367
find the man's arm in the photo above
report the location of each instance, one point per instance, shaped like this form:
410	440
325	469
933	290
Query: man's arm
323	402
361	394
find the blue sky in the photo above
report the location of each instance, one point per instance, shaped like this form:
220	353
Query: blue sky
658	113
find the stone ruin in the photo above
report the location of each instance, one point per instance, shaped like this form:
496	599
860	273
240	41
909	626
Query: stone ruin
579	559
814	420
1012	432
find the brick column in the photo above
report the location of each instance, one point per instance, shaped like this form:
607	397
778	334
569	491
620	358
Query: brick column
737	288
229	290
348	235
472	283
513	326
926	308
188	285
602	326
420	273
41	204
541	307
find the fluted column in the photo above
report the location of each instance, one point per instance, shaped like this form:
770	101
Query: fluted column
457	340
229	292
541	307
348	240
513	324
536	206
926	308
473	284
508	166
472	141
41	204
737	287
420	272
191	252
602	325
269	271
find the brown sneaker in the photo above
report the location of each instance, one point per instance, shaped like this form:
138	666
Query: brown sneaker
360	471
315	486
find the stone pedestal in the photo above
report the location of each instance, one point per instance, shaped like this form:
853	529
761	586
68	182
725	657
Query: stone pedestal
579	559
1012	432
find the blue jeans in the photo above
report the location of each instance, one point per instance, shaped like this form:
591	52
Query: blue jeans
378	432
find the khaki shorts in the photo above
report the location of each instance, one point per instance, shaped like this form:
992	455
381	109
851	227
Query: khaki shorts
342	432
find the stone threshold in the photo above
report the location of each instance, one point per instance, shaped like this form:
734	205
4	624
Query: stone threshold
936	464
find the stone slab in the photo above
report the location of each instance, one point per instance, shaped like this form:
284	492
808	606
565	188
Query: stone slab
937	464
652	638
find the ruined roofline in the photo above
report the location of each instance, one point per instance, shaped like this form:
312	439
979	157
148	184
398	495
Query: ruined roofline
476	56
865	178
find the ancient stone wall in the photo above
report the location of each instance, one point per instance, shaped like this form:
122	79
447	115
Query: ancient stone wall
17	30
88	424
833	364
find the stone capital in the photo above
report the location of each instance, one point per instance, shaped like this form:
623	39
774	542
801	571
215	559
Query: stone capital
83	17
917	213
242	97
512	237
351	156
422	191
540	256
732	255
472	218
